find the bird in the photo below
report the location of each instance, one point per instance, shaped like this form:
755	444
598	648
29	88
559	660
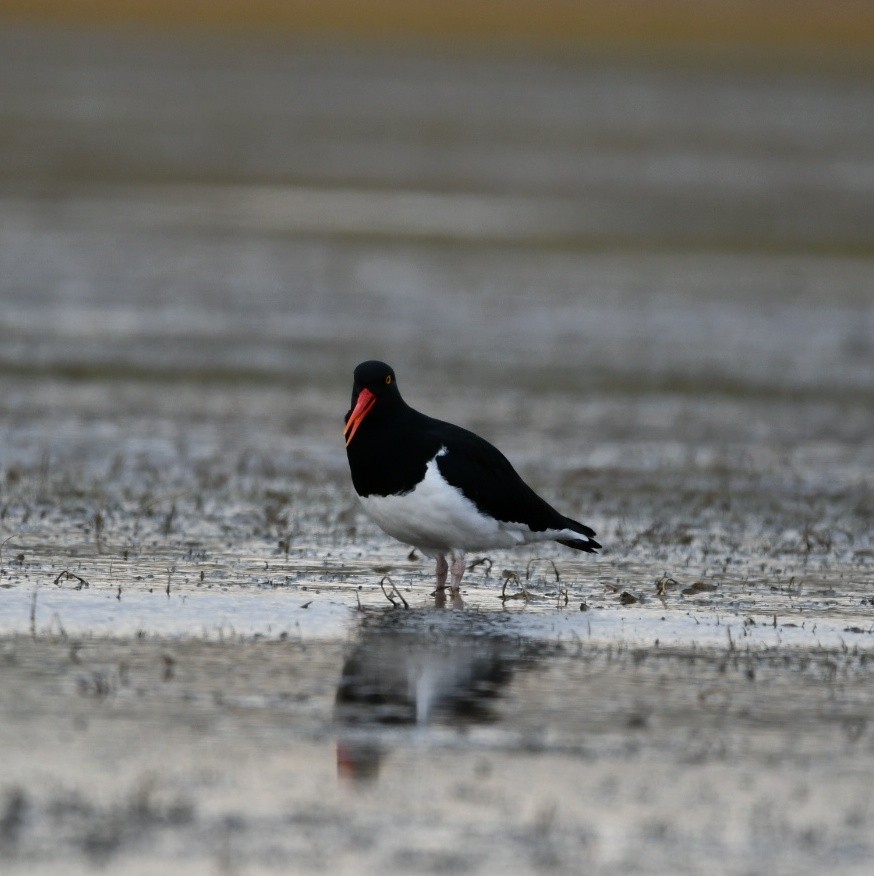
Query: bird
439	487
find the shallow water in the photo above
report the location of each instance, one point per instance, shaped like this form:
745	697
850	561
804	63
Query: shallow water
650	286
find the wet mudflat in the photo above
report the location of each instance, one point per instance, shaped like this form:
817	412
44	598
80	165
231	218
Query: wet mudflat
210	756
650	286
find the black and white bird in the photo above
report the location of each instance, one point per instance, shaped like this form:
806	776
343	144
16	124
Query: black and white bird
438	487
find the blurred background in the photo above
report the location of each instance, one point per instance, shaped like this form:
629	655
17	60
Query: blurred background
630	242
215	210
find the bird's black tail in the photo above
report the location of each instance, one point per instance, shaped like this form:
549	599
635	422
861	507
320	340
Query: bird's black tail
586	542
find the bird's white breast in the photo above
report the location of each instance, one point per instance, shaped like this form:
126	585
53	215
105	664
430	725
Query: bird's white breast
437	517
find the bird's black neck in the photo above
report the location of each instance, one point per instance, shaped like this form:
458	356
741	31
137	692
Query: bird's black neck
388	454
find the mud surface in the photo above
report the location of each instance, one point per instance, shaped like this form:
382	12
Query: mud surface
651	287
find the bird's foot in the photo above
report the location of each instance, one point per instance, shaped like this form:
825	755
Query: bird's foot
447	598
454	589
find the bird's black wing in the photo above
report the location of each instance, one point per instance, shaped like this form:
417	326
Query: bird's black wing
487	478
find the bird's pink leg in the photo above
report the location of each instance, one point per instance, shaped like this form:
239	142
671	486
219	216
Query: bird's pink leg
442	572
457	571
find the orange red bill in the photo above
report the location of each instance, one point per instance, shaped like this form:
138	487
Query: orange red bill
363	406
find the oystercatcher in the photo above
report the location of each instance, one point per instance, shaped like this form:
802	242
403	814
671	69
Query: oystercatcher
438	487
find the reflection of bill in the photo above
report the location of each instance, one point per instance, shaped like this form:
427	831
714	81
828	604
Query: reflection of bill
416	668
358	761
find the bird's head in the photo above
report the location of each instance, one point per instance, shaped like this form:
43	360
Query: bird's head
374	387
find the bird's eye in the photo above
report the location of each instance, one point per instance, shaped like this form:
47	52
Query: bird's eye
388	379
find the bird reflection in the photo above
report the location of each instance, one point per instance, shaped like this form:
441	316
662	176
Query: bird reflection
416	668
